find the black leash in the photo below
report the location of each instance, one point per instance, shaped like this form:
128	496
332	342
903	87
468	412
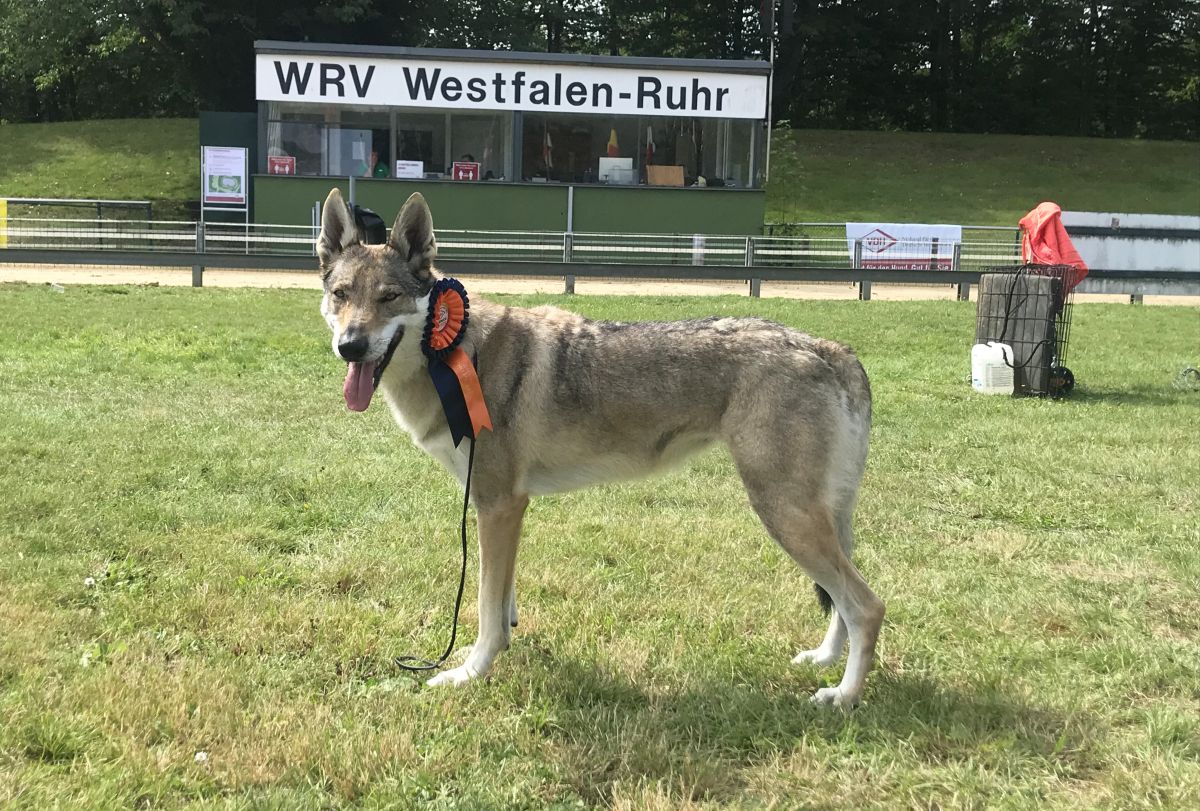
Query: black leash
415	663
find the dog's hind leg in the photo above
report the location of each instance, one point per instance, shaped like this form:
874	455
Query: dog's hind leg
831	647
807	535
499	533
806	528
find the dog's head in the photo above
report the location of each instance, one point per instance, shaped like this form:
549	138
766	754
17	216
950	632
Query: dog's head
376	296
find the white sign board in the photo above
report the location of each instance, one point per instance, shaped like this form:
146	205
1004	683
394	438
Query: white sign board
223	175
410	169
471	85
904	246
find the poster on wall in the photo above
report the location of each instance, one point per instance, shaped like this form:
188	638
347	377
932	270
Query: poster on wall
904	246
223	175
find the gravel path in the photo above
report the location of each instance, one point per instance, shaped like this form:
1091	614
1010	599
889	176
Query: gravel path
115	274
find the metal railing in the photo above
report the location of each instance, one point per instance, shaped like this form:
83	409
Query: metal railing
825	250
815	256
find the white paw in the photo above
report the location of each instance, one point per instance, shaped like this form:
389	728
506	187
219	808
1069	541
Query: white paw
833	696
455	677
817	656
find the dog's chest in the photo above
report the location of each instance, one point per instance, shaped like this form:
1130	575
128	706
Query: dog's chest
416	408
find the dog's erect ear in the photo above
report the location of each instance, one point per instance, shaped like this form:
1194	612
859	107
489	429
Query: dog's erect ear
337	228
412	235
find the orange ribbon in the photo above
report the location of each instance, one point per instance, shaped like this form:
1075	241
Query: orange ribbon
464	370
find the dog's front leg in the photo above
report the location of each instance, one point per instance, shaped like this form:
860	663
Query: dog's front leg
499	533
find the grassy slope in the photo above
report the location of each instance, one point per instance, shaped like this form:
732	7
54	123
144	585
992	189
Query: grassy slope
115	160
261	554
973	179
817	174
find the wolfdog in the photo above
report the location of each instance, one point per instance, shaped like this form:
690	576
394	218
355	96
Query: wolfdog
576	402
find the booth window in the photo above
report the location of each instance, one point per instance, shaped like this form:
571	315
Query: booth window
627	150
332	140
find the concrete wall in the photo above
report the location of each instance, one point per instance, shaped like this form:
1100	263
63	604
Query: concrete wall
1135	241
526	206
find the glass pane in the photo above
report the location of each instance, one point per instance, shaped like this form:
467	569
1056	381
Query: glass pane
617	149
291	111
482	139
422	137
305	142
569	148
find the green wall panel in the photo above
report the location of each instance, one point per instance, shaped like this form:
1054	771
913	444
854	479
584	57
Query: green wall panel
644	210
526	207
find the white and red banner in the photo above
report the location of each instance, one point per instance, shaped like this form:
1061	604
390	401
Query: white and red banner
904	246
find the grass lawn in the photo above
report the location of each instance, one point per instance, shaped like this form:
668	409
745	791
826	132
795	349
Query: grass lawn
821	175
155	160
260	555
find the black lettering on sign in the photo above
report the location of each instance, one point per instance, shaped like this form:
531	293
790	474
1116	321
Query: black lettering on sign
597	87
293	77
360	87
576	94
477	89
696	91
423	84
648	90
722	92
451	89
332	76
676	103
518	81
539	92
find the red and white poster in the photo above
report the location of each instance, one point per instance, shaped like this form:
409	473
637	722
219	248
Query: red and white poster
904	246
281	165
464	170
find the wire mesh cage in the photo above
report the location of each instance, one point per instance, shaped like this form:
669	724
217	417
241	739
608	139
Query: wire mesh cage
1028	307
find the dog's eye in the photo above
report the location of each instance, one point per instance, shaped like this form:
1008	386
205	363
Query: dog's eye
389	297
340	295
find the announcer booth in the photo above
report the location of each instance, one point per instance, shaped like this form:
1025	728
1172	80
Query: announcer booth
500	140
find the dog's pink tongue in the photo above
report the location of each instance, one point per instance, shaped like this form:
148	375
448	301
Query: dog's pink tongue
359	386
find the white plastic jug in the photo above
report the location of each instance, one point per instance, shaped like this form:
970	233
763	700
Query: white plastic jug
991	368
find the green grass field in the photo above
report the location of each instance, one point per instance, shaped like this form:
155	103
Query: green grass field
155	160
821	175
260	555
816	175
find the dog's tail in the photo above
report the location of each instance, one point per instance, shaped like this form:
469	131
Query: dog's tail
824	599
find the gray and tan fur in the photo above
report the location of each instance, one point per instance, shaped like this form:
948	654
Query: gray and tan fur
577	402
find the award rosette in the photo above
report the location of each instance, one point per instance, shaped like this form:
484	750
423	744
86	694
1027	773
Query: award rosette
453	373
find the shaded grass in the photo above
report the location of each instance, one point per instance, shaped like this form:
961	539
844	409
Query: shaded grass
123	159
260	556
825	175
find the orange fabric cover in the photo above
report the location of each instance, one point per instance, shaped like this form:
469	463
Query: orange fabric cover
1044	241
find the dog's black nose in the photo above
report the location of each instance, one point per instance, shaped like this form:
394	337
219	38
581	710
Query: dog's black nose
355	349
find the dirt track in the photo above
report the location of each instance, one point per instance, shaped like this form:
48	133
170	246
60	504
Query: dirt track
113	274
